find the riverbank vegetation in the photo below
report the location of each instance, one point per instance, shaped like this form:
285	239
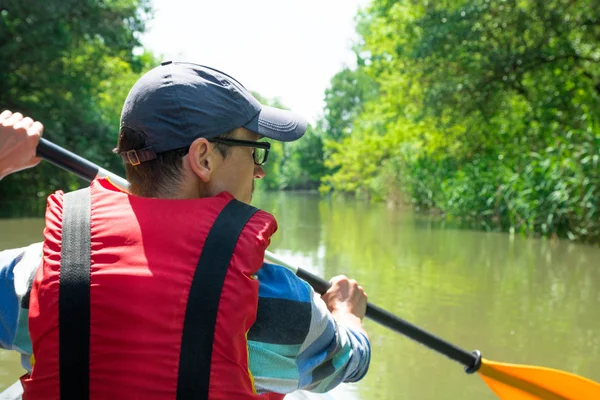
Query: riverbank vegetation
487	112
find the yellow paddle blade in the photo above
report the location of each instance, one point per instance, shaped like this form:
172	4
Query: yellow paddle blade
527	382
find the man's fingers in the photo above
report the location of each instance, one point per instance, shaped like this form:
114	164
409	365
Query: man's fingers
35	133
24	123
5	115
338	278
36	129
13	119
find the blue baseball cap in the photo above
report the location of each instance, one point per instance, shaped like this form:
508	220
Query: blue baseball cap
177	102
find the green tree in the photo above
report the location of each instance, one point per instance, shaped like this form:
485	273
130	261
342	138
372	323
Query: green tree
493	107
304	165
68	64
345	97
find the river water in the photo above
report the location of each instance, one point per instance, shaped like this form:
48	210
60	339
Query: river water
518	300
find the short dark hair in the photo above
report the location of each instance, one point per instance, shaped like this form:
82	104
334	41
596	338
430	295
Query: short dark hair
161	176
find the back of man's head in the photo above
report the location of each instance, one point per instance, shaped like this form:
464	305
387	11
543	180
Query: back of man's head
176	103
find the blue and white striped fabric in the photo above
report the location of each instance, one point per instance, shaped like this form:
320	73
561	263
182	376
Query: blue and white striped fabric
17	267
294	343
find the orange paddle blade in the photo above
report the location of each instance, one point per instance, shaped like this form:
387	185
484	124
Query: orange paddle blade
527	382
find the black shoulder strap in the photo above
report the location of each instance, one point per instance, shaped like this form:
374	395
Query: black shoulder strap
203	300
74	297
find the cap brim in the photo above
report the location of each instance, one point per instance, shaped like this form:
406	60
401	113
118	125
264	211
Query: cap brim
277	124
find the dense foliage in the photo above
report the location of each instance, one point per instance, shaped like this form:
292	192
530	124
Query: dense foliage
488	111
69	64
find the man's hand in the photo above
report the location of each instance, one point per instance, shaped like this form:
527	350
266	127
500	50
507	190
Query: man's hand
19	137
347	301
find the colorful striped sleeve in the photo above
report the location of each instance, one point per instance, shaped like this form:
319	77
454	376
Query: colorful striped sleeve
17	267
296	344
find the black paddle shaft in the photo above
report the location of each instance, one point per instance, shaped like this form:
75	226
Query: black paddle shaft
66	160
471	361
87	170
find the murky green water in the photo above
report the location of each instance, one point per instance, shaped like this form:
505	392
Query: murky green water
517	300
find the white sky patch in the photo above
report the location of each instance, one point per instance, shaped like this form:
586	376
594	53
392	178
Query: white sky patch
288	49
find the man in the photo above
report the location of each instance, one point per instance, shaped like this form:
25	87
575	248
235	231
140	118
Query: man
153	314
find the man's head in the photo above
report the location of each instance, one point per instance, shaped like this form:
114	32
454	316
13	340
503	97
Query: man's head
173	124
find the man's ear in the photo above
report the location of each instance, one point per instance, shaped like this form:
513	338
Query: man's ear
202	159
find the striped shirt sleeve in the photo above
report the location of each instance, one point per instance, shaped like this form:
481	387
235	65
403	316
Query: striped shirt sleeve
17	268
296	344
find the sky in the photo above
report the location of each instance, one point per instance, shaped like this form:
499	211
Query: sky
289	49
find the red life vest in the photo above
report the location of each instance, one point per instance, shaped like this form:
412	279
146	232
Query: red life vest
144	254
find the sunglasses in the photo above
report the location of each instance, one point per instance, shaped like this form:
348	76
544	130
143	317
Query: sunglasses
261	149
